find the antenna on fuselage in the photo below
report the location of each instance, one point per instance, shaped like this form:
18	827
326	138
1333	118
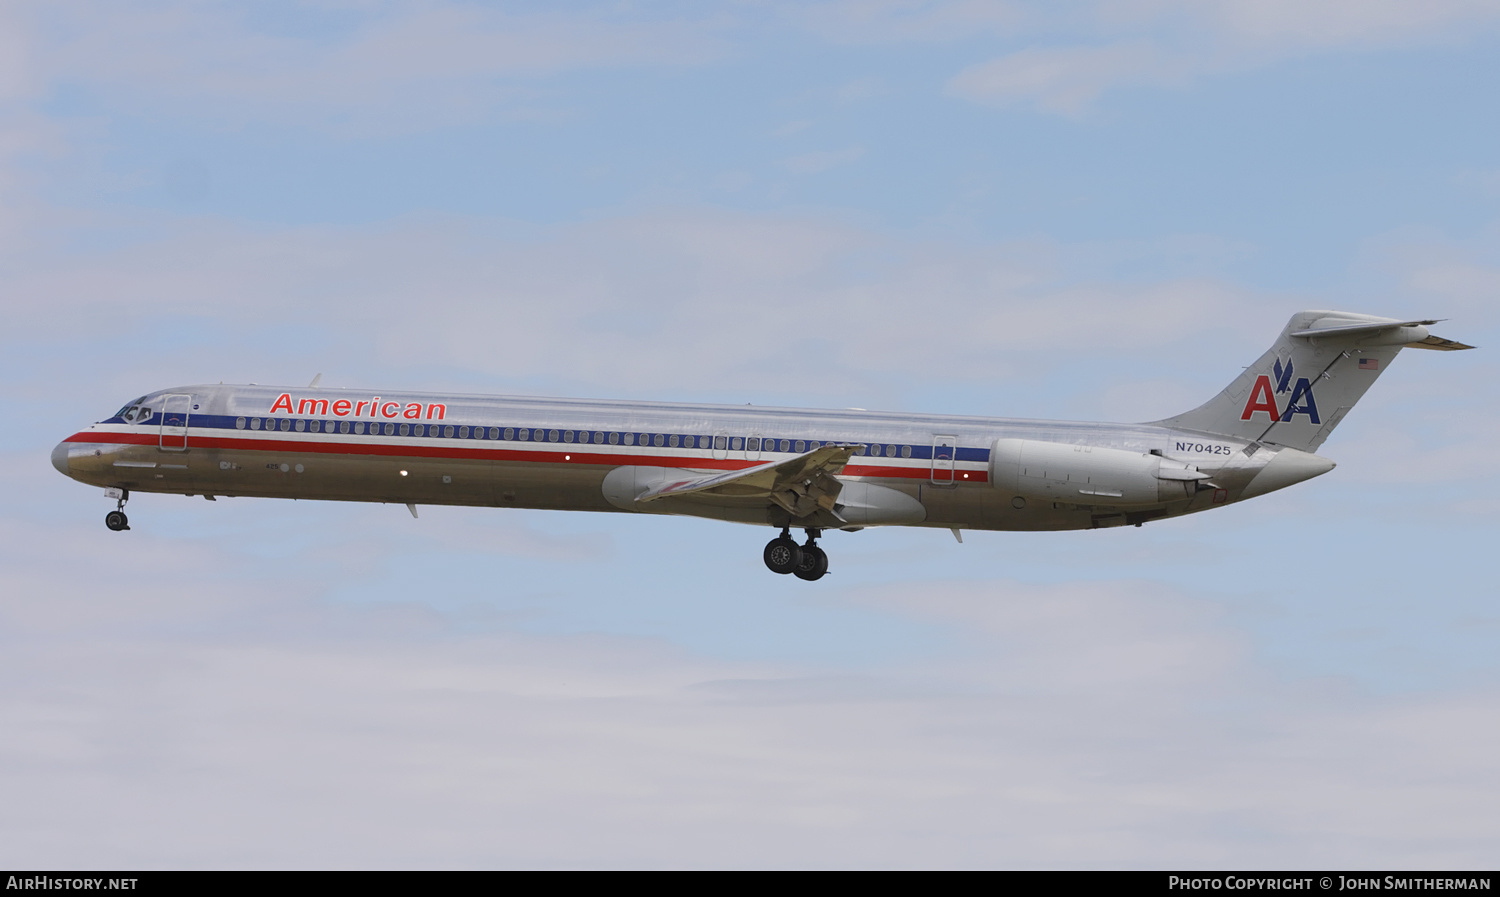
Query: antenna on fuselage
315	381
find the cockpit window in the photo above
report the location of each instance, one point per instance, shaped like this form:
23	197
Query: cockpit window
135	412
128	407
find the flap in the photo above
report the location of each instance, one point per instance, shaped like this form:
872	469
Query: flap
764	479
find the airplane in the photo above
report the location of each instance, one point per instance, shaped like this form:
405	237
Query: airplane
786	468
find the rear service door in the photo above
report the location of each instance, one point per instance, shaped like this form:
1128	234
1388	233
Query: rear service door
174	422
944	453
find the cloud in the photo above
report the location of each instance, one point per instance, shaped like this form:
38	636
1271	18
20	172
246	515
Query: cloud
744	302
1163	43
886	21
1485	182
388	68
1341	23
191	721
1065	80
814	163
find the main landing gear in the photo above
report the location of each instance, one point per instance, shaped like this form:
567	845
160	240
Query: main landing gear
116	519
807	561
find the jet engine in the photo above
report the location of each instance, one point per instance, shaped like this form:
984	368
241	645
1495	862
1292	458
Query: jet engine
1088	475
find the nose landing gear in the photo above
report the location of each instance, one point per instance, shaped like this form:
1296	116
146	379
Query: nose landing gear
116	519
808	561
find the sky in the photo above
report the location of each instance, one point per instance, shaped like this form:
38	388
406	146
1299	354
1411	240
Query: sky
1076	210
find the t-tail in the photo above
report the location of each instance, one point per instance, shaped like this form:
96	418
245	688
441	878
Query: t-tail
1308	380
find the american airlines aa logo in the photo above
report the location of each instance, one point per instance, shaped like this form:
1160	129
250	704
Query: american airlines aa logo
1263	396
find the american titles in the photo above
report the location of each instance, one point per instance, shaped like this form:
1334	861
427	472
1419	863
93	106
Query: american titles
350	408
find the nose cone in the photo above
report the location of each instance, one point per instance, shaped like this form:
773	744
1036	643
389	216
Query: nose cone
1288	467
60	458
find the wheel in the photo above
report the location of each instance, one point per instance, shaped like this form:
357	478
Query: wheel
782	555
116	520
814	563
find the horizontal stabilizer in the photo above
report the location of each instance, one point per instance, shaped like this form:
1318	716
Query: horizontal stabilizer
1360	329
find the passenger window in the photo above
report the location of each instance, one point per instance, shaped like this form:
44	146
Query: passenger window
463	432
523	434
405	429
721	443
554	436
736	444
801	446
614	439
659	440
752	444
359	428
786	445
890	451
300	426
906	451
494	432
672	440
510	433
239	423
343	426
390	429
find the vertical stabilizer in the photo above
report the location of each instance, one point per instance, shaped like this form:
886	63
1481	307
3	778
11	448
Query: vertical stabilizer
1308	380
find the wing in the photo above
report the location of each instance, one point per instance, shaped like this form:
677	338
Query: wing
801	485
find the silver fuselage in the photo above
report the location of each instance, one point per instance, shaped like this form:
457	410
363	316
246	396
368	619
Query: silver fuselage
427	448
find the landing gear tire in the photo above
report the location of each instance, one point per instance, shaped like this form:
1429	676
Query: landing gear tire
814	563
117	521
782	555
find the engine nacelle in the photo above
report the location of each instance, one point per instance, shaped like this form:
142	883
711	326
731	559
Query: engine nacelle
1087	475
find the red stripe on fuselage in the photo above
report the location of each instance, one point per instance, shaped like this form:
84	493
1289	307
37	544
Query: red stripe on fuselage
549	456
